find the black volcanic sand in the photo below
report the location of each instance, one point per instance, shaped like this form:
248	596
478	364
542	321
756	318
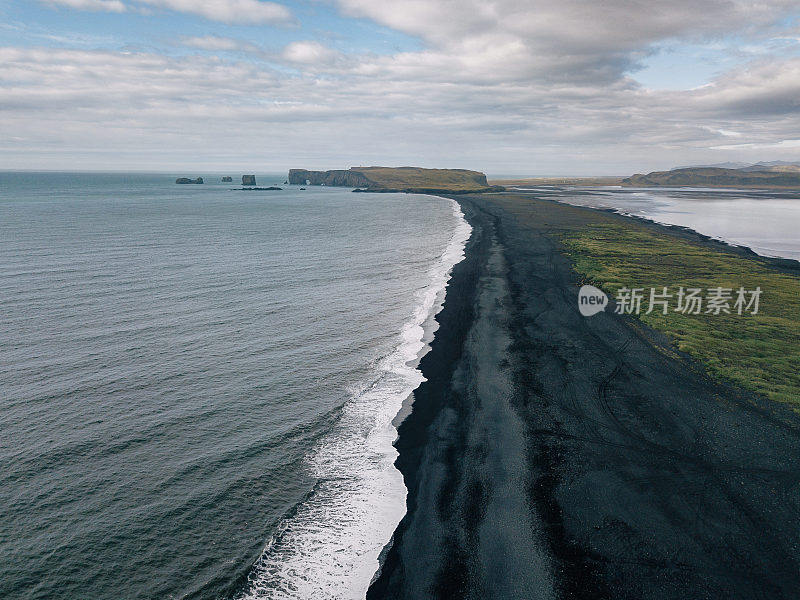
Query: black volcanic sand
550	455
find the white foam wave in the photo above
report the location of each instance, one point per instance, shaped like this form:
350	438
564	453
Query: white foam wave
329	548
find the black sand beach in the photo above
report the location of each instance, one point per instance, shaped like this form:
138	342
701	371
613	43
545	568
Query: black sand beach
550	455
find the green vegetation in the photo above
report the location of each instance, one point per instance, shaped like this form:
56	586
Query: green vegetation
388	179
415	177
760	352
773	177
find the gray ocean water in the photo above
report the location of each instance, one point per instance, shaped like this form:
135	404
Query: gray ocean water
197	385
766	221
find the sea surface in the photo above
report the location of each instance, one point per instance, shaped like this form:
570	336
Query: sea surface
198	385
767	221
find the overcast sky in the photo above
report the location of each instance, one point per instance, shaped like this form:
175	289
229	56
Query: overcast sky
509	87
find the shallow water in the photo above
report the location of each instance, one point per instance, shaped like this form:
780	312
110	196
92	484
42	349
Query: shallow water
196	380
768	222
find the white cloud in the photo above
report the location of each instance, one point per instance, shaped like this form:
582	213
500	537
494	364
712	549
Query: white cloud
772	145
722	132
96	5
575	40
215	44
540	87
309	53
247	12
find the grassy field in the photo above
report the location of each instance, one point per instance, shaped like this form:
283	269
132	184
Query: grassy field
415	177
760	352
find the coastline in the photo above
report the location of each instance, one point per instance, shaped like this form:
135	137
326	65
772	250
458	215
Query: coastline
308	556
548	455
758	239
780	263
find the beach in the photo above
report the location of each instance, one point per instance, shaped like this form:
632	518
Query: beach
551	455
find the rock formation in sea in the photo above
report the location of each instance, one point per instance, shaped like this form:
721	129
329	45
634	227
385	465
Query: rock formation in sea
187	180
248	179
340	177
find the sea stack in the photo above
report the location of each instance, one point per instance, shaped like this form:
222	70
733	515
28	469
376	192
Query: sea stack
227	179
248	179
187	180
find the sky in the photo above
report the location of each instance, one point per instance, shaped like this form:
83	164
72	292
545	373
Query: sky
508	87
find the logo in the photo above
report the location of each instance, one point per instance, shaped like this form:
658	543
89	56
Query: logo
591	300
665	300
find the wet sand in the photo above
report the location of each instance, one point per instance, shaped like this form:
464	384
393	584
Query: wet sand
551	455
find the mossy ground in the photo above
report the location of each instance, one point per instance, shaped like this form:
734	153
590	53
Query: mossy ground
761	352
413	177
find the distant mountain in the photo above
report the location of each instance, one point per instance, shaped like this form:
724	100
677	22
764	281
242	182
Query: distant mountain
782	175
776	163
725	165
772	165
778	166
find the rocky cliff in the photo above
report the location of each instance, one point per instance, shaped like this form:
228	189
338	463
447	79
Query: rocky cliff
340	178
403	179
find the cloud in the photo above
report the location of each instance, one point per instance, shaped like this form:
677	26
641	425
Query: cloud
541	87
301	54
557	39
94	5
723	132
309	53
773	145
246	12
764	88
218	44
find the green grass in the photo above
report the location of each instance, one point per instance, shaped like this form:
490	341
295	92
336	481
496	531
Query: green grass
761	352
416	177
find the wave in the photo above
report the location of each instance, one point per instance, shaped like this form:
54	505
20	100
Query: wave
329	546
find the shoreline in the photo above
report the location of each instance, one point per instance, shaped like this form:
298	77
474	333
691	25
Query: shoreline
781	263
601	414
671	228
341	559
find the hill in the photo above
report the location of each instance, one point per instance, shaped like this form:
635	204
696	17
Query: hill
396	179
774	167
773	176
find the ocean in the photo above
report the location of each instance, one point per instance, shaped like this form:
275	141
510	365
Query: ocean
199	386
766	221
